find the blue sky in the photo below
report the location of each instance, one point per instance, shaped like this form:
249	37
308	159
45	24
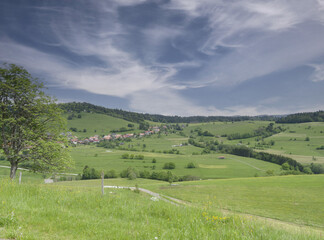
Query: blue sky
172	57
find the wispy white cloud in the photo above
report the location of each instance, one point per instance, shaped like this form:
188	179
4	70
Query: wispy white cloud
263	37
318	74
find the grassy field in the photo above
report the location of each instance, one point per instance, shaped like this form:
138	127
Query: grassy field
209	166
292	142
76	210
62	212
220	128
27	177
297	199
96	124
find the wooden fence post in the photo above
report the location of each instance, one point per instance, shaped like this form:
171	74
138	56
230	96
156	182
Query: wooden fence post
20	173
102	182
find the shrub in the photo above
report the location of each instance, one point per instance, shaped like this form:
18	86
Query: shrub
154	160
144	174
189	178
90	173
191	165
111	174
270	172
291	172
129	173
285	166
317	168
308	170
169	165
125	156
139	157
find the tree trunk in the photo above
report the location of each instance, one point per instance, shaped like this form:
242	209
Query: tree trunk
13	169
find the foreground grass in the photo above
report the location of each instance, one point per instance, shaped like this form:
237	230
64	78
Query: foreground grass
296	199
53	212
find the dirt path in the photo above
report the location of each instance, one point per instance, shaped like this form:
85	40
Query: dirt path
153	194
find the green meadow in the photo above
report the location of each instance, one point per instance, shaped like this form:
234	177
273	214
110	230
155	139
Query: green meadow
96	124
63	212
234	198
296	199
220	128
299	141
208	166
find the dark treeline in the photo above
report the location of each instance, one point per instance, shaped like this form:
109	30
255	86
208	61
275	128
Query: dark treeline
268	157
303	117
132	173
140	117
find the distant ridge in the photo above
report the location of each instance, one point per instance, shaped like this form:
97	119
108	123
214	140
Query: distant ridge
302	117
140	117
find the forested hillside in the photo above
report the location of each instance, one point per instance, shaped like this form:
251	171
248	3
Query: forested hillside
303	117
140	117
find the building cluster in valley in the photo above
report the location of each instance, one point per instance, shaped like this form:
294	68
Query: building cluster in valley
112	136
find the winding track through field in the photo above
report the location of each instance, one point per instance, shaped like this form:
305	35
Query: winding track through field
247	164
156	195
270	221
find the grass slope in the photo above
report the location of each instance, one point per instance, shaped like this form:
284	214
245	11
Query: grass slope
220	128
96	124
297	199
53	212
209	166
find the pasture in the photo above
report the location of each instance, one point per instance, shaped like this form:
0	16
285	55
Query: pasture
209	166
63	212
296	199
220	128
96	124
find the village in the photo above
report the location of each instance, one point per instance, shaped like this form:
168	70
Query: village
113	136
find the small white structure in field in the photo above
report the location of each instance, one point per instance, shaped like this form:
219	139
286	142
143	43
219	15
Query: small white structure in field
49	180
221	157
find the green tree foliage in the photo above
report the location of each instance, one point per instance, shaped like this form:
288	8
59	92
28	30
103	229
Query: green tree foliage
144	126
285	166
317	168
90	173
130	173
30	123
140	118
191	165
111	174
169	165
264	156
303	117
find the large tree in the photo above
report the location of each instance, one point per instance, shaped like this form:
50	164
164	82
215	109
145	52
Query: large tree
31	125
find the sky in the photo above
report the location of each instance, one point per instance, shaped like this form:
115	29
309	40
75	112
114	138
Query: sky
172	57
